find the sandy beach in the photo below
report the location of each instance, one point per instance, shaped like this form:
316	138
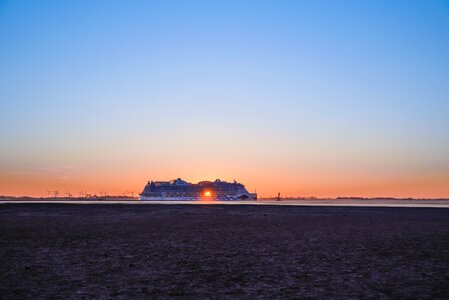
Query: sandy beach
218	251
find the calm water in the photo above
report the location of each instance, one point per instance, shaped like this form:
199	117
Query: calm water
317	202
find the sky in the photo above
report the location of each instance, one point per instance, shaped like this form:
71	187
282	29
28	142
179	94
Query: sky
305	98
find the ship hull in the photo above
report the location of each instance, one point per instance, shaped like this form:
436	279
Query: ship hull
168	198
149	198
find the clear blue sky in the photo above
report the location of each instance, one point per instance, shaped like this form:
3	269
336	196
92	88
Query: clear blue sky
308	97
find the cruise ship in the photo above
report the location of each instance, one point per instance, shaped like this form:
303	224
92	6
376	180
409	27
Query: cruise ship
178	189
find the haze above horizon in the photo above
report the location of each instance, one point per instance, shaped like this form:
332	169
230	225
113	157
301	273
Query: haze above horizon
306	98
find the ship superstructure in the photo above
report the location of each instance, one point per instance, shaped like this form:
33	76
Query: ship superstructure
179	189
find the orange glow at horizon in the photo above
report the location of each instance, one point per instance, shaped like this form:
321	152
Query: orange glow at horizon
116	178
289	184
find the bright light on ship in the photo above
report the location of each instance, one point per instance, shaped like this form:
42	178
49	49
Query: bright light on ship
207	193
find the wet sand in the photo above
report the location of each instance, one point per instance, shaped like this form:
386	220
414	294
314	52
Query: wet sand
222	251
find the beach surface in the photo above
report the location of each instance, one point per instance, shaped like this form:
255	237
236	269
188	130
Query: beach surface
222	251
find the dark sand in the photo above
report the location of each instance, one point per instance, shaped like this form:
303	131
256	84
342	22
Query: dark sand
164	251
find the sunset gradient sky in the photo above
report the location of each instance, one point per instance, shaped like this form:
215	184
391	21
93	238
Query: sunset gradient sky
323	98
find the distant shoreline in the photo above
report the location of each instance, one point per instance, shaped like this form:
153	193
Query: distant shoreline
121	198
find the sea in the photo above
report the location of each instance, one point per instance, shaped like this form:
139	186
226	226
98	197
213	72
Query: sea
436	203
